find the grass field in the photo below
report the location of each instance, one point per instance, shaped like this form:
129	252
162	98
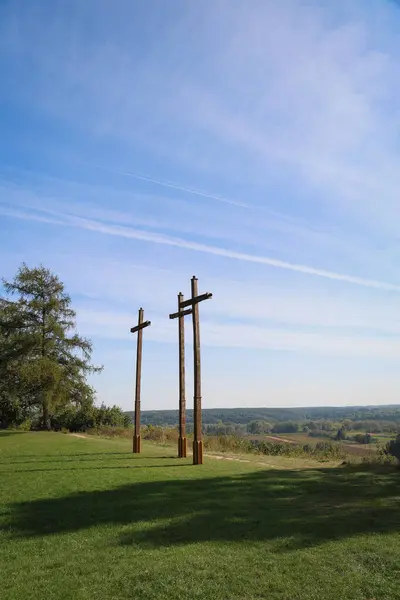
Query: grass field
86	519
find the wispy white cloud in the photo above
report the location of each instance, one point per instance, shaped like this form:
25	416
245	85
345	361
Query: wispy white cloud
180	188
116	325
271	131
123	285
156	238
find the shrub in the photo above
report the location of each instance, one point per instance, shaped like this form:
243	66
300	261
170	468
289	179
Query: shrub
228	443
363	438
161	435
25	425
379	457
393	448
285	427
109	431
87	416
341	434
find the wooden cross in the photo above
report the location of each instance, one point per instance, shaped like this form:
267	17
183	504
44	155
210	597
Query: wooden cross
139	330
193	302
182	441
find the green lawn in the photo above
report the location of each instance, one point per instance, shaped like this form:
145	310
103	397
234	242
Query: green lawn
86	519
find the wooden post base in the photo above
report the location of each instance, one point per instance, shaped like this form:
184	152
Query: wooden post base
137	444
182	447
198	453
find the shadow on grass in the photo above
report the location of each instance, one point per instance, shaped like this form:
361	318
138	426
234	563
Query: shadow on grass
294	508
74	458
7	432
60	468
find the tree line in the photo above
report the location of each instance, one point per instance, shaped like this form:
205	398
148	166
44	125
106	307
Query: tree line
375	419
44	362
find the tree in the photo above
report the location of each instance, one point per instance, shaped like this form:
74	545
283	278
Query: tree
285	427
312	426
258	427
393	448
44	361
341	434
363	438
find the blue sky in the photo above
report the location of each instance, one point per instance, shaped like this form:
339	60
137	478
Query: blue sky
254	144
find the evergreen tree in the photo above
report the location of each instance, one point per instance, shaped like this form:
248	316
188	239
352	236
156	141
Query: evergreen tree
43	360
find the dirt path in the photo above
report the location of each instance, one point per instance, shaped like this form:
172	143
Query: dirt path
245	460
280	439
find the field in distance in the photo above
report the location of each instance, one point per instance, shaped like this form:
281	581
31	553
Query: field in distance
84	518
351	448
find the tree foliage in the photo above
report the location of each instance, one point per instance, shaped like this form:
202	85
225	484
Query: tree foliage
341	434
393	448
285	427
259	427
363	438
81	418
44	362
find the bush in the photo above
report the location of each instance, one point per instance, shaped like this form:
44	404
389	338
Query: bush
161	435
363	438
258	427
12	414
25	425
393	448
285	427
109	431
322	451
329	450
379	457
228	443
82	418
341	434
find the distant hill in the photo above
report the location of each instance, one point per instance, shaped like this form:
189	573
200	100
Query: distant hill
243	416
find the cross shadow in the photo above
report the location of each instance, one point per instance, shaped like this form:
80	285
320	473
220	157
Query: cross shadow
293	508
8	432
65	459
91	468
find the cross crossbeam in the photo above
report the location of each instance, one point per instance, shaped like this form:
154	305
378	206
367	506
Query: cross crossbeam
196	299
181	313
139	327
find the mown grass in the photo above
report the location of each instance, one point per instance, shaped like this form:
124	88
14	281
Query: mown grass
84	519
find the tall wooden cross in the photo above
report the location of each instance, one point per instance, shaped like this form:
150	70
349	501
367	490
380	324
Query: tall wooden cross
139	330
180	315
193	303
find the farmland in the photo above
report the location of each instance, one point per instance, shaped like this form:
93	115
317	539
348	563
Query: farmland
84	518
351	448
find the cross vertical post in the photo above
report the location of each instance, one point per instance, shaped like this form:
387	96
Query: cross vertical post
139	330
137	445
182	441
197	421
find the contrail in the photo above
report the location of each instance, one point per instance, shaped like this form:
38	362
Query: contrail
156	238
180	188
174	186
